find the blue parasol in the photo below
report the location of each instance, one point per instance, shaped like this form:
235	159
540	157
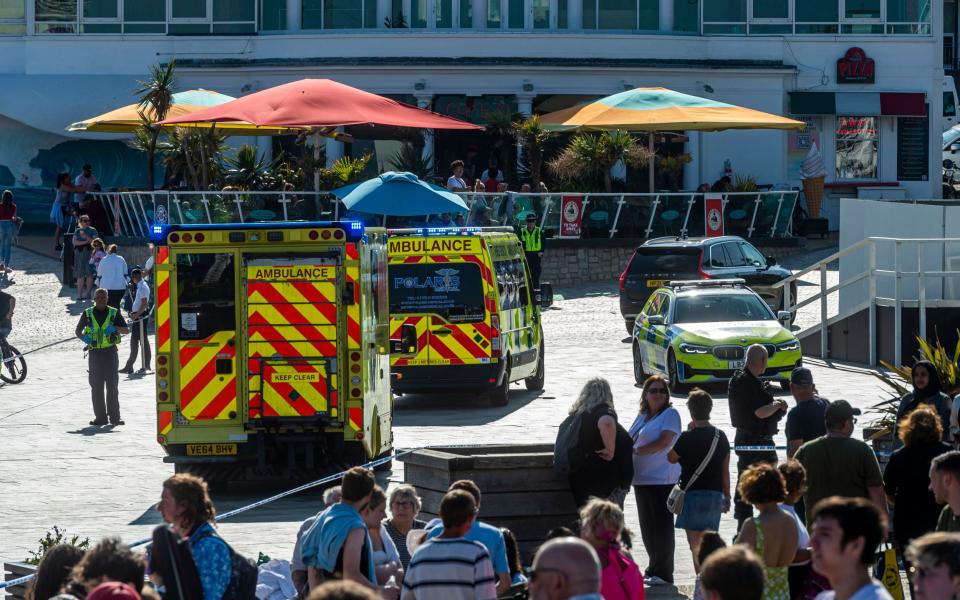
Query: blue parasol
400	195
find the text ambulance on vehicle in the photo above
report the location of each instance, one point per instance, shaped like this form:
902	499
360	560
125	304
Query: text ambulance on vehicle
463	315
272	346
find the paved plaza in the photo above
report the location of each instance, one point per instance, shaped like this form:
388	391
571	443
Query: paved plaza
55	470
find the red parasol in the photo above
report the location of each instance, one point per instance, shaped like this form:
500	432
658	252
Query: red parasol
319	103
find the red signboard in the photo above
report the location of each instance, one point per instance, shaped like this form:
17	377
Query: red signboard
571	216
856	67
713	214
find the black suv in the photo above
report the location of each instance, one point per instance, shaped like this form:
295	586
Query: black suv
663	259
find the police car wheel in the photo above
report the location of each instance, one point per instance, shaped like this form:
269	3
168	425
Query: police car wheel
638	375
535	383
673	374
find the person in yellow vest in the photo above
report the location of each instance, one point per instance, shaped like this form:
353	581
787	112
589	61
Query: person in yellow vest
531	237
100	328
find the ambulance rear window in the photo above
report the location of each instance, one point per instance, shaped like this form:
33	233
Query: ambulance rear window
452	290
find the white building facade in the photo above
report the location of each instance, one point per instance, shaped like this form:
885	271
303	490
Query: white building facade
65	60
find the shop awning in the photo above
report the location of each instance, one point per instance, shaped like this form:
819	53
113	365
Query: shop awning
861	104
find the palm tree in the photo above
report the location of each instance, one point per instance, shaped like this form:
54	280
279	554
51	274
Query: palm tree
156	98
589	157
532	136
411	158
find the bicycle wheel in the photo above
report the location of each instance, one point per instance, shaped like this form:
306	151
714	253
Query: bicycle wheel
14	369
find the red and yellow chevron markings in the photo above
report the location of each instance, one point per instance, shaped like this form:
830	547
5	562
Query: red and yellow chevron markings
204	394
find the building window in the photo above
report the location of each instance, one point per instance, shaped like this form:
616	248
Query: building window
56	16
686	16
339	14
621	14
541	14
273	15
725	16
857	143
12	21
861	9
144	16
817	16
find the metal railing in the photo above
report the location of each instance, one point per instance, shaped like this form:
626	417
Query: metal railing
602	215
872	274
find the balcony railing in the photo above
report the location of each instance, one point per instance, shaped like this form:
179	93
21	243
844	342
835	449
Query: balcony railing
748	214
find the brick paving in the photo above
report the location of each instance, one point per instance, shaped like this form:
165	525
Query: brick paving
55	470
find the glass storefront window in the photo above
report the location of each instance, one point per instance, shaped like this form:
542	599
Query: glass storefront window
862	9
100	9
562	15
515	14
444	10
918	11
493	14
234	10
189	9
56	10
686	16
857	143
541	14
612	14
343	14
466	14
311	15
11	9
771	9
273	15
817	11
418	14
725	11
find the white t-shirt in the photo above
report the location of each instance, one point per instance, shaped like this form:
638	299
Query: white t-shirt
85	183
655	469
455	183
142	299
112	272
872	591
389	552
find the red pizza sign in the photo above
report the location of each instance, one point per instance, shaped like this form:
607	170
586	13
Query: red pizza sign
856	67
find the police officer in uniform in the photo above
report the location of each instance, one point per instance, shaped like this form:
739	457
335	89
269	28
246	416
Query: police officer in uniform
532	238
754	413
100	327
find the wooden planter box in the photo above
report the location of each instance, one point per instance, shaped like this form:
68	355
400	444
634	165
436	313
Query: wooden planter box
16	570
520	488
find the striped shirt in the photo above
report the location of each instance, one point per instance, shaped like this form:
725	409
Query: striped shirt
450	569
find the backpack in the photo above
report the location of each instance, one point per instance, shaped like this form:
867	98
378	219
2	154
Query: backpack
243	574
172	560
568	455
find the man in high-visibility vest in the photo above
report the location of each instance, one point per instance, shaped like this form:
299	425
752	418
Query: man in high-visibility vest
531	237
100	328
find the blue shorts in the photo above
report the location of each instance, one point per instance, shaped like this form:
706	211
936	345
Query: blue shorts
701	511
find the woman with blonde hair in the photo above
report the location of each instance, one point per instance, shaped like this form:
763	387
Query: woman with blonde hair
654	432
601	523
599	474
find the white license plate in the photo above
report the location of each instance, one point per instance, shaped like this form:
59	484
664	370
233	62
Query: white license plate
736	364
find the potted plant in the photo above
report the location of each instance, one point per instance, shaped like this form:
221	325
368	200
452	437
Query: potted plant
672	167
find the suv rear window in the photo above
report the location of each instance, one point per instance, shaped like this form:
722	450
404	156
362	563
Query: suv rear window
662	261
452	290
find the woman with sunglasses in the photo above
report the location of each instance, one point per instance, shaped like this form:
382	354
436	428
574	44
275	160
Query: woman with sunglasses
654	432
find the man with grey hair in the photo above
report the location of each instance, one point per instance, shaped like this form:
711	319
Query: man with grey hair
565	568
754	413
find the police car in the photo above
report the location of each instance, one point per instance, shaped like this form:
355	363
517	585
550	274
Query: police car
698	332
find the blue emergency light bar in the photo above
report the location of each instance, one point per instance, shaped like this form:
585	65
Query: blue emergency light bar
354	230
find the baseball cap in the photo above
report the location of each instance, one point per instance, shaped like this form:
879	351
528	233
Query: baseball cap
801	376
839	411
113	590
